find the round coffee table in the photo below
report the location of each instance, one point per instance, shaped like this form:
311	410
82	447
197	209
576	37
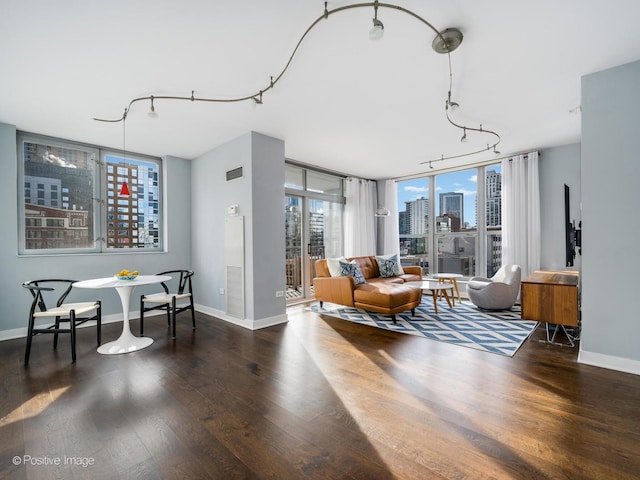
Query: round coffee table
451	278
437	288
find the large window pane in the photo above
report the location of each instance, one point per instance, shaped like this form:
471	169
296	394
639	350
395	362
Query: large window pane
293	177
456	201
493	217
456	221
457	254
324	183
58	196
142	204
413	218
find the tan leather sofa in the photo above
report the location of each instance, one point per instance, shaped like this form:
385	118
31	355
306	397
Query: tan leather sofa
382	295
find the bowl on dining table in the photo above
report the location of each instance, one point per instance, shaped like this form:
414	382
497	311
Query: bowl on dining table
127	275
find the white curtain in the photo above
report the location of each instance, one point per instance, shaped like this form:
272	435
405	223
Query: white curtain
521	212
359	217
391	229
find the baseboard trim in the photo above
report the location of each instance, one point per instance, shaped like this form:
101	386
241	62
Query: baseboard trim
117	317
244	322
609	361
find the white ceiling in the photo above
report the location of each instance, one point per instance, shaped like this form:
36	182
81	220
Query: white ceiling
369	108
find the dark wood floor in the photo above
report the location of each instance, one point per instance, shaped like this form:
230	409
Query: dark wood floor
316	398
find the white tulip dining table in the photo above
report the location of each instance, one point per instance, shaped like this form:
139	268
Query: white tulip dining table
127	342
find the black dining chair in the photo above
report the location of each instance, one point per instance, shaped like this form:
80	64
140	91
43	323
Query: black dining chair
179	288
54	293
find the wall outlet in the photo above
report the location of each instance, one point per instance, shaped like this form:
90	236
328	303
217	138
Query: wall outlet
279	293
222	291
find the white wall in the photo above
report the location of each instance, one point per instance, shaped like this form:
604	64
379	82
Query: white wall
558	166
611	224
260	198
15	300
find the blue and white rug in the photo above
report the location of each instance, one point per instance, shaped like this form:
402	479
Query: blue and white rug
500	332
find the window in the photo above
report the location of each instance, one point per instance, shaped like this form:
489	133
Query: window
451	222
313	207
71	193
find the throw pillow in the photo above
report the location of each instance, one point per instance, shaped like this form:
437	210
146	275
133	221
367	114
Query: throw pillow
351	269
389	265
333	264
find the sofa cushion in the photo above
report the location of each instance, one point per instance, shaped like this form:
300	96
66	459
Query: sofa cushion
386	295
350	269
367	265
385	281
333	264
389	265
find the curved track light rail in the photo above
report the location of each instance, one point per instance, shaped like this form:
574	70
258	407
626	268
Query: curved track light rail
257	97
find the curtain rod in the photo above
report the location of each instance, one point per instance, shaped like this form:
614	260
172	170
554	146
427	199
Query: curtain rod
479	163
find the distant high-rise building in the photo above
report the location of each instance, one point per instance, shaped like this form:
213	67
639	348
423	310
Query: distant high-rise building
403	224
417	216
493	198
452	205
493	212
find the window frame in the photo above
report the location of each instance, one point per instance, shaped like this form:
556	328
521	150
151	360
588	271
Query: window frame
98	196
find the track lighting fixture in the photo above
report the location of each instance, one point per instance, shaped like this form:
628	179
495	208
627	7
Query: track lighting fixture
377	31
152	113
444	42
449	104
447	40
124	188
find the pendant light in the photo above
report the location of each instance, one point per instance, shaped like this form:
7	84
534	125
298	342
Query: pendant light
124	188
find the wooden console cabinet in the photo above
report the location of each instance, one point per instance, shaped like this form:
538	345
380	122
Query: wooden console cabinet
550	297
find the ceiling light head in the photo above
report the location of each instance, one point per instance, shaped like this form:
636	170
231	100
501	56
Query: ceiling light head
450	104
382	212
495	150
258	99
464	136
377	31
447	40
152	113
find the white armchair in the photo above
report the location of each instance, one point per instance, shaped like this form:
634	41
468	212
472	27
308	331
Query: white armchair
498	292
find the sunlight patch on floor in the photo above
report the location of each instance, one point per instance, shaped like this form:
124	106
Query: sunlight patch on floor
34	406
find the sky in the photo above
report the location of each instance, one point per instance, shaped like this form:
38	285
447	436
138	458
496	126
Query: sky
465	181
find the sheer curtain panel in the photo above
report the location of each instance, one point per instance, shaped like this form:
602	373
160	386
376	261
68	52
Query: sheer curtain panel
391	229
359	217
521	212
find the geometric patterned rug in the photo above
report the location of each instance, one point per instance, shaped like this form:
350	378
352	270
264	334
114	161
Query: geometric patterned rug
501	332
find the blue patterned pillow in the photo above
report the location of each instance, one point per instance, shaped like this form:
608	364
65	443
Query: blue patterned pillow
389	266
350	269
